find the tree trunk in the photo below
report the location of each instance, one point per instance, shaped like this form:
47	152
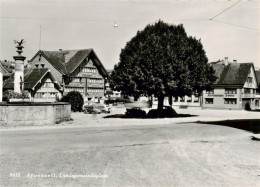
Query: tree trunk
135	98
170	100
151	101
160	102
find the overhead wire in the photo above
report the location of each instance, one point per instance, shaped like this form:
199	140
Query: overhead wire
95	20
236	25
121	21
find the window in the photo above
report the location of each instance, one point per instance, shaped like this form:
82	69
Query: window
37	65
89	70
182	99
210	91
38	95
250	79
175	99
230	91
230	101
76	80
247	90
42	65
48	85
209	100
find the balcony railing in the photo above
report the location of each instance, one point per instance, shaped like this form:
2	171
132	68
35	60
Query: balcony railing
230	95
99	85
248	95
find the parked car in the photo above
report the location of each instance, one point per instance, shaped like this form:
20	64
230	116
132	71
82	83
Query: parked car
104	108
96	108
91	109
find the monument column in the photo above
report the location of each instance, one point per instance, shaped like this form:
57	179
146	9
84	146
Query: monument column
19	68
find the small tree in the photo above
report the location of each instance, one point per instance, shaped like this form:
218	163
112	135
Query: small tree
75	99
162	61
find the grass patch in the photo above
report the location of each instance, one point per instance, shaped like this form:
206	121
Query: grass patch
252	125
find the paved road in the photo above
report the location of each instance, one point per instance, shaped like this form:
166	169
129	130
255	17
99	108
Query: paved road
184	154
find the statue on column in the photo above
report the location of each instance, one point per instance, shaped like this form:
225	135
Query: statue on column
19	67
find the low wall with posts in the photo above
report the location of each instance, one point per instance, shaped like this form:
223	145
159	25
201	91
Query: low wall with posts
33	114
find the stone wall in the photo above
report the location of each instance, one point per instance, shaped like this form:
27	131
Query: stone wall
33	114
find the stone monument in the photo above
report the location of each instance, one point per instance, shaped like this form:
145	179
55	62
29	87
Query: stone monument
19	67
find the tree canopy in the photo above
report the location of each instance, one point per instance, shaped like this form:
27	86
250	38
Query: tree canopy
162	60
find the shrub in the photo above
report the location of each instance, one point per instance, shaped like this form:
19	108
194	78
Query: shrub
75	99
153	113
166	112
135	113
10	94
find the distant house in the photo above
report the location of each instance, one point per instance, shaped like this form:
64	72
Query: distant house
79	70
257	72
40	83
235	87
112	93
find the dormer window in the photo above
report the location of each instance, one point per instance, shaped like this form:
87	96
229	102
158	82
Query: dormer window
42	65
249	79
37	65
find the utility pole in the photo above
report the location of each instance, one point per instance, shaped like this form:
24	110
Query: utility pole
40	37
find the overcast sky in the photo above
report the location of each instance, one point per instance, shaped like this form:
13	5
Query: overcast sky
85	24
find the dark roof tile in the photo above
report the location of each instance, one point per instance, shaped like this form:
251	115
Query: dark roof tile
232	74
66	60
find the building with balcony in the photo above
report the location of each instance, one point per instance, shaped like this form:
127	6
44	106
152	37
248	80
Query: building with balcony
258	90
79	70
235	87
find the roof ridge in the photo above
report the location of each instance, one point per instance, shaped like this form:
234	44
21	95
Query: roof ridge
64	50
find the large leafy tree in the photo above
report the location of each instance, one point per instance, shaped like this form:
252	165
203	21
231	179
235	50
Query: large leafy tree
162	60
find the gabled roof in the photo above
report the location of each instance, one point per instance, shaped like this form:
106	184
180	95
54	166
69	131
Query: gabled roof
232	74
31	78
6	71
66	61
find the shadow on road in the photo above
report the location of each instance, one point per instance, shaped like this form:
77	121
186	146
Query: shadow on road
252	125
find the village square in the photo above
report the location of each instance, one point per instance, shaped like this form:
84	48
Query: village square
169	108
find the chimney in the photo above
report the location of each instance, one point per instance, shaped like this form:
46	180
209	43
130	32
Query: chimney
226	61
234	61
